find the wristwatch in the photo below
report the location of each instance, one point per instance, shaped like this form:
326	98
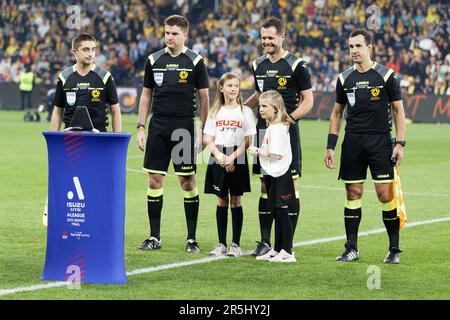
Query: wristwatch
140	125
401	142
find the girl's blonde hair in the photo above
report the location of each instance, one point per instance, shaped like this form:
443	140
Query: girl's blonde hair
275	100
219	101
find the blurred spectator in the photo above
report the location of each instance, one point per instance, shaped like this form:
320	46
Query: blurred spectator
413	38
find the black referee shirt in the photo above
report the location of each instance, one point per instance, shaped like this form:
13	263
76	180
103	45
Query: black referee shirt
174	81
368	96
94	90
288	76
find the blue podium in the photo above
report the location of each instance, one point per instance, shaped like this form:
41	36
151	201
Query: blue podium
86	207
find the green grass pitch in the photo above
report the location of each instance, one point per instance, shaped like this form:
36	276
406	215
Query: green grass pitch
422	273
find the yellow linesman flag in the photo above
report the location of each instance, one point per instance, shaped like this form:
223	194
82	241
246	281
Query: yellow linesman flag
398	194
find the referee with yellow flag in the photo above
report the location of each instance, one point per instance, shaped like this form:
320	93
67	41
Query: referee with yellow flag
370	93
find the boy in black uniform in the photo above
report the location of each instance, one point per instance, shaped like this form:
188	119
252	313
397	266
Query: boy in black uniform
85	84
172	78
288	74
368	90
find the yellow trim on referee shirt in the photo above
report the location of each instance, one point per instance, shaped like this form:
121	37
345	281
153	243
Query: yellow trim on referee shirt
296	63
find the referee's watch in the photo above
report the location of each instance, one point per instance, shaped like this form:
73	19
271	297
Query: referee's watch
140	125
401	142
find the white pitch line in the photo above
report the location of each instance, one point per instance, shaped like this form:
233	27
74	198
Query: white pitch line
210	259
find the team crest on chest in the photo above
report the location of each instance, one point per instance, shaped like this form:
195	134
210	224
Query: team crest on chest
375	94
282	82
183	77
71	98
95	94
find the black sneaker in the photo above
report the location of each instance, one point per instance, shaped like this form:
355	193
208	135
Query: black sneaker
393	256
150	244
261	249
348	255
192	246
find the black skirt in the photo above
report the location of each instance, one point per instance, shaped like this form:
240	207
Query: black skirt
222	183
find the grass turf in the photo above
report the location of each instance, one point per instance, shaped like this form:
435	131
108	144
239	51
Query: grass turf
422	274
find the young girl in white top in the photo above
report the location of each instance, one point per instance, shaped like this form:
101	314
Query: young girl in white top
275	157
228	133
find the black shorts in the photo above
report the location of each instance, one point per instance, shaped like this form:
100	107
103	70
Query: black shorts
170	139
279	190
222	183
294	133
360	151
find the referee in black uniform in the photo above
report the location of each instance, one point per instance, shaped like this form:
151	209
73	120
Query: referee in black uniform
288	74
368	91
85	84
172	78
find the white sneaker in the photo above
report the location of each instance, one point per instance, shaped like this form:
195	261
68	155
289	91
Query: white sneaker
283	256
272	253
219	250
235	250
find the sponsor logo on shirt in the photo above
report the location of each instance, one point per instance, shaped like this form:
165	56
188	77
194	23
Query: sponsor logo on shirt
282	82
183	77
228	123
95	94
271	73
375	92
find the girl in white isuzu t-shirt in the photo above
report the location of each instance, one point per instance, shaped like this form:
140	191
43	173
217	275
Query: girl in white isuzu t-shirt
275	157
228	133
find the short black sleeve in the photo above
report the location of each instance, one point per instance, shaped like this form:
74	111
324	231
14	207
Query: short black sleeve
149	80
341	97
256	81
201	75
59	95
393	88
111	92
303	76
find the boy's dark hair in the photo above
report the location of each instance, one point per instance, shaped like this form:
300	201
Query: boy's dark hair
80	38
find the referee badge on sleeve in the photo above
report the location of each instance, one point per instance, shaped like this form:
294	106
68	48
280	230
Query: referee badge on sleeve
159	76
261	85
351	98
71	98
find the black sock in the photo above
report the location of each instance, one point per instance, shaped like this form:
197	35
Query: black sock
237	216
191	211
294	212
352	220
154	208
392	224
285	229
265	220
222	221
277	241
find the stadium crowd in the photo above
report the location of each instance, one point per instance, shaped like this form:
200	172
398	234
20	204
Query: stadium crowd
412	38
